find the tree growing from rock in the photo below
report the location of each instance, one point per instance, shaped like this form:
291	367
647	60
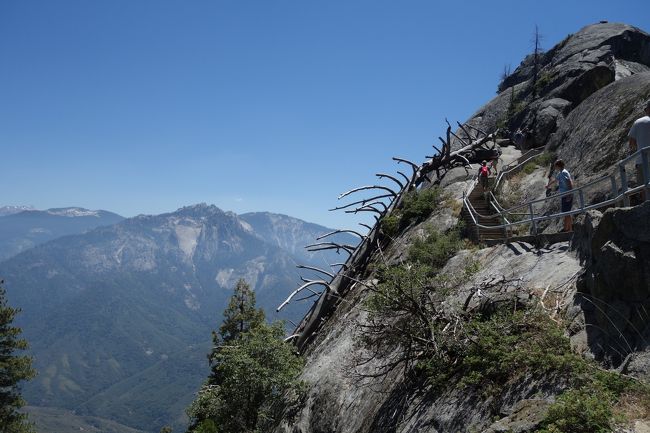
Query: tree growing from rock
537	51
252	369
14	368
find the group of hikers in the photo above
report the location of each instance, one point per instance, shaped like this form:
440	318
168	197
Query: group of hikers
639	138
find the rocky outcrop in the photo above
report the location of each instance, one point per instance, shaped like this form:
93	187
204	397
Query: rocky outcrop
614	298
569	73
340	400
599	63
594	135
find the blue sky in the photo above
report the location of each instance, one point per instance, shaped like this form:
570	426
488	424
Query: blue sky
143	106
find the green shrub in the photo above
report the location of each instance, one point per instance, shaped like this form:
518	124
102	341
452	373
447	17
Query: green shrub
436	248
593	402
529	168
544	80
390	225
545	159
584	410
416	206
499	347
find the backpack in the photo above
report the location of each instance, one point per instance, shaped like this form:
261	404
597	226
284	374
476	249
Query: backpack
484	171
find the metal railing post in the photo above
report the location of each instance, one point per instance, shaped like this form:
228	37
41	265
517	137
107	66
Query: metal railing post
532	218
612	179
581	196
644	170
626	199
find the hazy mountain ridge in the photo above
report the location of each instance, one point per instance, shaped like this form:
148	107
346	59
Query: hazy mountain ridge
9	210
293	235
22	228
119	318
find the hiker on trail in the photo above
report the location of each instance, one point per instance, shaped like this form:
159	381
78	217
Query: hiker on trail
639	137
565	184
518	138
483	173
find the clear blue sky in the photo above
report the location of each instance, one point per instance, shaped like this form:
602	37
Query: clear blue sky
145	106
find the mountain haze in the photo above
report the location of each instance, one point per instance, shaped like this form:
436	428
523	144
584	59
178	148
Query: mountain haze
119	318
292	235
22	228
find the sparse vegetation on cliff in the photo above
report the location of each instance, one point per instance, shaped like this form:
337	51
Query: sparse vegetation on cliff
415	207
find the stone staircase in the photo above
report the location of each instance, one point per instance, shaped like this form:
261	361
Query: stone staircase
486	217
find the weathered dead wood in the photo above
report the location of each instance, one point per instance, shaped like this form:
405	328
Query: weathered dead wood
356	233
301	288
332	244
393	178
366	208
363	188
476	129
406	178
461	126
413	165
314	268
362	202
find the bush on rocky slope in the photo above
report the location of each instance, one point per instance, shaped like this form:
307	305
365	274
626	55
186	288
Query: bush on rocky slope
415	207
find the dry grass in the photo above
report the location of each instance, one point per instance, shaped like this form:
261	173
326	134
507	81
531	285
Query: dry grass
633	406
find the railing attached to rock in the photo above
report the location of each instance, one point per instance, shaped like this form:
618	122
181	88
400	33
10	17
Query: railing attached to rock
617	183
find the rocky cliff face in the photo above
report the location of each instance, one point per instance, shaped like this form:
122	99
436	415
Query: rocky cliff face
592	86
569	73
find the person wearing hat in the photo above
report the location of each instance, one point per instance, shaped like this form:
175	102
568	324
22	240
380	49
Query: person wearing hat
639	138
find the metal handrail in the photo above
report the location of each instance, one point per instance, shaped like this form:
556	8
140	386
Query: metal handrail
616	196
505	171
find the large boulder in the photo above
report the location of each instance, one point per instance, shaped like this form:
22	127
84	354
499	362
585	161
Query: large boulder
593	136
615	287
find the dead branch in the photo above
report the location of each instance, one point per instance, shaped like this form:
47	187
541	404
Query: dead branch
314	268
364	201
393	178
413	165
406	178
340	231
362	188
350	248
299	289
366	208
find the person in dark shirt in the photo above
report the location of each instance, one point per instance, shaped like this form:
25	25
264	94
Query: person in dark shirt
565	184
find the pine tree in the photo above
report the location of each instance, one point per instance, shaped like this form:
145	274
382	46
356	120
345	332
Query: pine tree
14	368
252	368
240	315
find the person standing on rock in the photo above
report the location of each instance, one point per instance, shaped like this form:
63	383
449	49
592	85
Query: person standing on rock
639	138
565	184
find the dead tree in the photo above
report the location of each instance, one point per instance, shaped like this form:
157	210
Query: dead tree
473	145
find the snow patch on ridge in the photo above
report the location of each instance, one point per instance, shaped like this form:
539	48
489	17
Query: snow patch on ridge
72	212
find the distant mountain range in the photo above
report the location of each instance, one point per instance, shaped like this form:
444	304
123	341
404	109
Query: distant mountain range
8	210
119	317
23	227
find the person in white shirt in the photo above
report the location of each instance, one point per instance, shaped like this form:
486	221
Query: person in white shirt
639	137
